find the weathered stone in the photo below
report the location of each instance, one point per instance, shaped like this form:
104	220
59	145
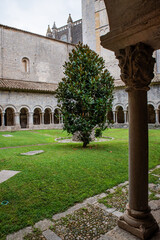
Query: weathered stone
154	204
49	235
20	234
6	174
117	214
31	153
7	135
43	225
76	136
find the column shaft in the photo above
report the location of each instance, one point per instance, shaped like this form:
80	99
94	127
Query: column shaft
125	116
3	121
138	151
30	122
16	120
157	117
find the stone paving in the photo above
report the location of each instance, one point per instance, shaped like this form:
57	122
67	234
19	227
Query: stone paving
7	135
31	153
87	220
6	174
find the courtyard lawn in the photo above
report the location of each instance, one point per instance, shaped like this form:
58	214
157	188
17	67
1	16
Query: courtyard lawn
63	175
30	137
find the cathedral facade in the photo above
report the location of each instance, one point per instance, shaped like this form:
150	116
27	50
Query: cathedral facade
31	66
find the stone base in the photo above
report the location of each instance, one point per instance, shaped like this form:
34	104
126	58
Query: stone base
143	226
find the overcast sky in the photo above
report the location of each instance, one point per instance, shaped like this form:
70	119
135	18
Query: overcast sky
35	15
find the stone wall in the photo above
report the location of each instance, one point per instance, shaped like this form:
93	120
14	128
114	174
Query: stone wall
46	56
18	100
88	23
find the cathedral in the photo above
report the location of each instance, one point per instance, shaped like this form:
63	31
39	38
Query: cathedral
31	66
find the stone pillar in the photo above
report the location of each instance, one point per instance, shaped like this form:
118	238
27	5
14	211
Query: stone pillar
17	120
30	120
157	116
3	121
137	65
125	116
53	117
42	118
115	116
50	118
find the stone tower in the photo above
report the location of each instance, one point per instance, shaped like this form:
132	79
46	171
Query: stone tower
88	23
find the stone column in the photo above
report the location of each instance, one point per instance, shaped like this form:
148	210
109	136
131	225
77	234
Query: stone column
115	116
50	118
30	120
157	116
125	116
137	65
3	121
17	120
42	118
53	117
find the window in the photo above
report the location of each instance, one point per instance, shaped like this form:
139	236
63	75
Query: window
25	63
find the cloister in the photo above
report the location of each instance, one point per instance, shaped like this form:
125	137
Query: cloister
39	117
25	117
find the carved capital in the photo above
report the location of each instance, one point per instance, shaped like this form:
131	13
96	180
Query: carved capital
137	65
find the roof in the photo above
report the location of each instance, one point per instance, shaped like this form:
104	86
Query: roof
27	86
34	34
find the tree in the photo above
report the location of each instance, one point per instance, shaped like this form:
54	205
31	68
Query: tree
85	93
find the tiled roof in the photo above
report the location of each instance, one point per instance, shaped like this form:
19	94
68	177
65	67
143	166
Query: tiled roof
27	86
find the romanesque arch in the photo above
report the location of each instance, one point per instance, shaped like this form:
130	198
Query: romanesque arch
151	114
110	116
9	116
24	117
120	114
47	116
37	116
56	116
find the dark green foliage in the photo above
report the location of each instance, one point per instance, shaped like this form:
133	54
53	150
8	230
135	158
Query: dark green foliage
98	132
85	93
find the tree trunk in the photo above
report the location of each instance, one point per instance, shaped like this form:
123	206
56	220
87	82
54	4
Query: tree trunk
85	144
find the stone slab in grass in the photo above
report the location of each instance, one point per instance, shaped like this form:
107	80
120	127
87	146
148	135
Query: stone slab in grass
31	153
8	135
6	174
20	234
49	235
43	225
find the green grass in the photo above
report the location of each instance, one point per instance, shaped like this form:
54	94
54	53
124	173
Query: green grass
62	176
32	137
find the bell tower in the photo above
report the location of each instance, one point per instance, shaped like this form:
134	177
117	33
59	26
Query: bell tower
88	23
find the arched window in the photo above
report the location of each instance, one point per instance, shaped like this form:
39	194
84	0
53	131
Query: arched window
56	116
23	118
37	116
25	64
120	115
9	117
151	114
47	116
110	116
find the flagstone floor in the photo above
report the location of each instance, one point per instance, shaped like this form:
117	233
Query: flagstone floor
93	219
